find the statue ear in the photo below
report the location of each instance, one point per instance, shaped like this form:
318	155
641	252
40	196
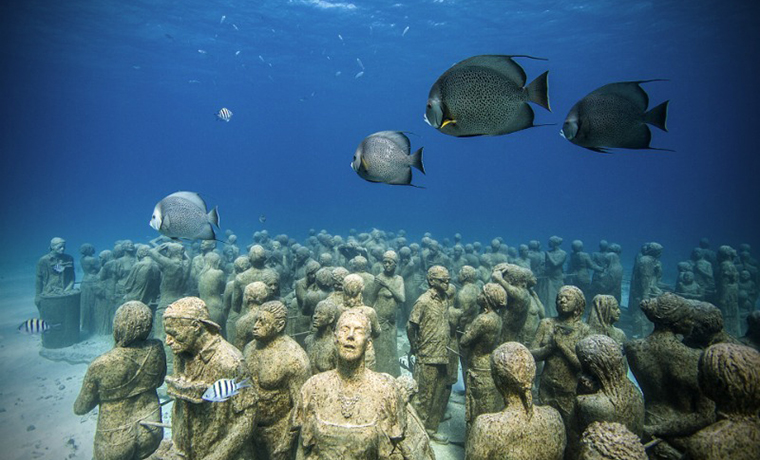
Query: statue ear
280	325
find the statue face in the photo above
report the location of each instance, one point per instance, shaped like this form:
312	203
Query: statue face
441	284
352	338
58	248
321	319
565	302
181	334
273	288
389	265
265	326
615	314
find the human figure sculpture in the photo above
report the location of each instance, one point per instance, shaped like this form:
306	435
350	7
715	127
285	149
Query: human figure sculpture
320	344
255	295
614	398
125	262
554	344
748	293
351	412
144	280
729	374
353	286
610	441
703	272
520	319
553	275
688	288
113	293
580	269
338	274
308	295
466	302
211	285
707	327
279	367
388	293
240	265
645	283
480	338
727	283
123	383
536	257
524	431
416	442
89	287
605	312
55	272
204	429
428	331
358	265
258	257
752	337
102	322
230	252
175	267
666	371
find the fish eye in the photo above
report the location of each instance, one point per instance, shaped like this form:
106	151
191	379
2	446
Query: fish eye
429	105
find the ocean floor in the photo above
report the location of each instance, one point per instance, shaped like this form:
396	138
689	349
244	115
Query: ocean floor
38	388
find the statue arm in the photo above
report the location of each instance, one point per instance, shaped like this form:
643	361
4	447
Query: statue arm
88	398
543	344
471	334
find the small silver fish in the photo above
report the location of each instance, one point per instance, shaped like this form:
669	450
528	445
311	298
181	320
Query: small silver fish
224	389
405	31
35	326
224	114
359	75
262	218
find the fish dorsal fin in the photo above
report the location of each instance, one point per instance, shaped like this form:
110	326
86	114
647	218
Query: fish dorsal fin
398	138
499	63
630	90
192	197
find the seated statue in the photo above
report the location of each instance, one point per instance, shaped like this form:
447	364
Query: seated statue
279	367
201	428
614	397
320	344
610	441
55	272
123	383
522	430
351	412
729	374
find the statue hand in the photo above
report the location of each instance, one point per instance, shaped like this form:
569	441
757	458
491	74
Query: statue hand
180	388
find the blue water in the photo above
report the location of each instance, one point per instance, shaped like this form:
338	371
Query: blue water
108	106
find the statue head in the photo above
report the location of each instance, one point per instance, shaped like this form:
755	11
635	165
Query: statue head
517	275
390	260
669	311
58	245
438	278
610	441
142	251
255	293
405	253
311	269
212	259
495	296
534	245
132	322
208	245
257	255
353	285
270	321
615	248
467	274
175	250
241	264
358	264
707	320
513	370
324	278
232	239
325	314
577	245
495	245
555	241
602	359
326	259
570	302
272	280
605	310
352	336
105	255
603	245
729	374
87	250
187	323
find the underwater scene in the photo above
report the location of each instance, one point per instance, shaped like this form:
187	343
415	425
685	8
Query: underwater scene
318	229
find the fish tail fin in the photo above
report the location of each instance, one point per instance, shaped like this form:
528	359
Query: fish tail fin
538	91
416	160
245	383
658	116
213	216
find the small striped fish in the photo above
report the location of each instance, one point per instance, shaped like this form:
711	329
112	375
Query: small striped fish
224	114
35	326
224	389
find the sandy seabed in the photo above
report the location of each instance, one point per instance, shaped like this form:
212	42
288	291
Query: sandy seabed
38	388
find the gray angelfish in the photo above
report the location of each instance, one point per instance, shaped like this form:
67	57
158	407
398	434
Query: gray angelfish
384	157
614	116
184	215
485	95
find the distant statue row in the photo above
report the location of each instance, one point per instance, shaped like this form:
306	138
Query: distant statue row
701	395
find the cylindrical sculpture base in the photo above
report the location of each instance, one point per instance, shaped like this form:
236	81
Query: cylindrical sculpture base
62	314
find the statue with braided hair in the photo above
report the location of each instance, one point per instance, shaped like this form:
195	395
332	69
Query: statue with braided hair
522	430
123	383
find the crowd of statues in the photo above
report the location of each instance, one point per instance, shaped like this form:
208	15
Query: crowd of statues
305	340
